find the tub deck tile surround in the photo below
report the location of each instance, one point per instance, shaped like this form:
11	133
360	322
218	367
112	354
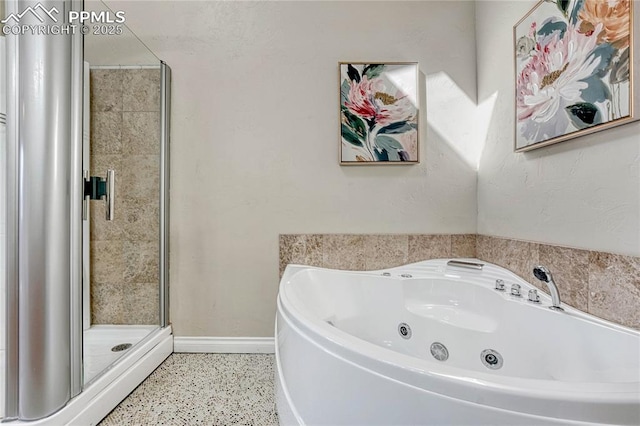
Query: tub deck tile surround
520	257
343	251
463	245
614	288
571	268
380	251
606	285
423	247
603	284
304	249
360	252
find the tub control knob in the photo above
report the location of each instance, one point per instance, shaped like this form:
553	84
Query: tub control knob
386	274
499	285
533	296
515	290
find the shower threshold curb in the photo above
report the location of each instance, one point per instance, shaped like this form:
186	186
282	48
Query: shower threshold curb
108	390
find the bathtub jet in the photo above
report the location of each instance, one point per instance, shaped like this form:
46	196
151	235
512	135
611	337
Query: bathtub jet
429	343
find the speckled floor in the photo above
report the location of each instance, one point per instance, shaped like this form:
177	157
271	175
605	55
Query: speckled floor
203	389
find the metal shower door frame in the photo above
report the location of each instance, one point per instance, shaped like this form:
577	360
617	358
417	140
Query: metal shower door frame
165	130
44	235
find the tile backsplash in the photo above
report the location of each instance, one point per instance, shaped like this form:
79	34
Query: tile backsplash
125	136
606	285
603	284
371	251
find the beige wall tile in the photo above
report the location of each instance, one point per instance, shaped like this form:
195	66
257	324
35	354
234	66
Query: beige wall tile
107	303
141	90
141	261
463	245
106	133
100	163
570	270
482	245
614	288
106	90
141	303
141	133
302	249
140	219
343	251
520	257
291	250
102	229
106	261
385	251
140	177
423	247
125	251
313	250
490	249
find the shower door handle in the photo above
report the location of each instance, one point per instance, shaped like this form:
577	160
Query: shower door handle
111	193
86	197
95	188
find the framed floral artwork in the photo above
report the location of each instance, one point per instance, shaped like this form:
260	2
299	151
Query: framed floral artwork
379	112
574	70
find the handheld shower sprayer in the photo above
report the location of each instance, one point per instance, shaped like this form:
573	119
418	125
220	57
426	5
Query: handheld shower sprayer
544	275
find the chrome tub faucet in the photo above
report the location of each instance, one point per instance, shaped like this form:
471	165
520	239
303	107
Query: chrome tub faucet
543	274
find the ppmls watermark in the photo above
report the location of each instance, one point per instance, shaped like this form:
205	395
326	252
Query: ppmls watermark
84	22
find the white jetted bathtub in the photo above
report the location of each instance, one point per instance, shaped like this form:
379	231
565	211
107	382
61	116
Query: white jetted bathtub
435	344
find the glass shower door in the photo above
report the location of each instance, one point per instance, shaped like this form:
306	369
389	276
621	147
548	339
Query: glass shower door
3	168
83	286
121	284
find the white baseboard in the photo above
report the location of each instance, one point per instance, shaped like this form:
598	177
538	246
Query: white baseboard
224	345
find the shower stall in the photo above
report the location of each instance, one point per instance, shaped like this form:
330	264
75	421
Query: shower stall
84	192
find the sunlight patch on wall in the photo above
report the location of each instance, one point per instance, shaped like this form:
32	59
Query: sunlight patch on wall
463	123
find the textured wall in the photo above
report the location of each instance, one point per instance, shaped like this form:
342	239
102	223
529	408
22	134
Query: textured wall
125	136
255	142
580	193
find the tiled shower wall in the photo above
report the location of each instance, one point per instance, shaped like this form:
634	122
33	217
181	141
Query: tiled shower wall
125	136
604	284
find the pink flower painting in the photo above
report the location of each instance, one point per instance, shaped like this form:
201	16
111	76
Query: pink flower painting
572	69
379	113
